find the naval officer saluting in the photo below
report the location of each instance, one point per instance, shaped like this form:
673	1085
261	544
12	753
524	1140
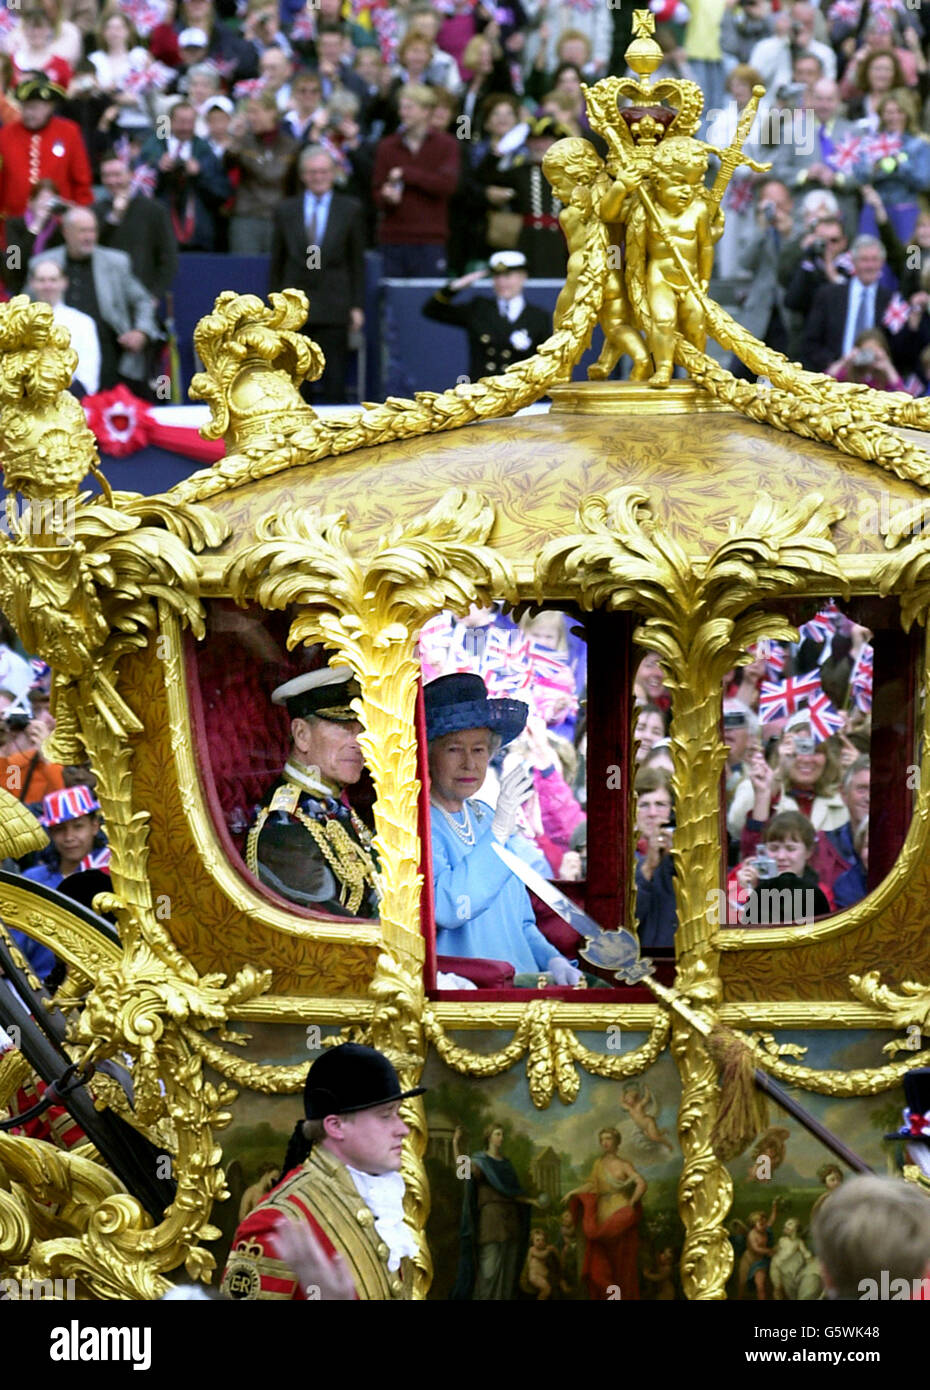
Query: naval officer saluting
306	842
502	330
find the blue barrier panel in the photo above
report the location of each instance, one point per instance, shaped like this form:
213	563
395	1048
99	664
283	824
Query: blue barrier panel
201	278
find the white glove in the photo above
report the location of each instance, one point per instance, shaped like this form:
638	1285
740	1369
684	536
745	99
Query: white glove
515	787
562	971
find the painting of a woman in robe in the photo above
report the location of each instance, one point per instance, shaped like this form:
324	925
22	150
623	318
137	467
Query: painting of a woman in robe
495	1224
609	1207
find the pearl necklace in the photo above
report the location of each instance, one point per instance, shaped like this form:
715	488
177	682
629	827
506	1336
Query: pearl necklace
466	831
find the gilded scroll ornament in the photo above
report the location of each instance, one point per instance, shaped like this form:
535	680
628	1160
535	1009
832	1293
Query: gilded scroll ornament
550	1052
255	361
369	609
907	1008
863	1081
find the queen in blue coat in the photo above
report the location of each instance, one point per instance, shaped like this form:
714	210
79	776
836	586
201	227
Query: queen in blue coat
482	909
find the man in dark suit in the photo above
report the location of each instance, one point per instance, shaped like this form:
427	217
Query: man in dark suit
138	225
318	246
190	181
841	312
502	330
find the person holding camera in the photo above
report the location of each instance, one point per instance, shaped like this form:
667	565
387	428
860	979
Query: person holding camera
25	772
780	865
805	778
868	364
38	228
820	256
794	34
762	308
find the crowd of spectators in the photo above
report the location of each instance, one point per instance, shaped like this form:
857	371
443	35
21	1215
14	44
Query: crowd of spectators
797	726
832	238
60	796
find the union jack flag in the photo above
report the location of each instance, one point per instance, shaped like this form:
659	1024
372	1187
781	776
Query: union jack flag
143	14
551	678
740	195
8	22
846	154
304	26
153	78
97	859
40	669
825	720
144	179
779	699
880	17
861	685
251	87
882	146
897	313
844	11
822	625
386	25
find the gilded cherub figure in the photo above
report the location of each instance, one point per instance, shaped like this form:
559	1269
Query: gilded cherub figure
670	251
592	200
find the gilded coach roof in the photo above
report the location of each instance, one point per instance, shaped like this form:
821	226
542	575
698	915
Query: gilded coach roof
700	467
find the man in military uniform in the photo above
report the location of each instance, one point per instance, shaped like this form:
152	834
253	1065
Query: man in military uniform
311	1238
306	842
502	330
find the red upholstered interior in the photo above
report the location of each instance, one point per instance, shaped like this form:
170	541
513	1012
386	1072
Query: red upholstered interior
246	736
241	737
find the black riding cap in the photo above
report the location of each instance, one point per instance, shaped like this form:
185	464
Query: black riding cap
349	1078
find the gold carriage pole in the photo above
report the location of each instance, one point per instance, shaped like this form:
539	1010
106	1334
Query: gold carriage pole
721	1038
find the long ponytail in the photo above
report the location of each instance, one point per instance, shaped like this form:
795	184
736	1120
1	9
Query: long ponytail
298	1148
